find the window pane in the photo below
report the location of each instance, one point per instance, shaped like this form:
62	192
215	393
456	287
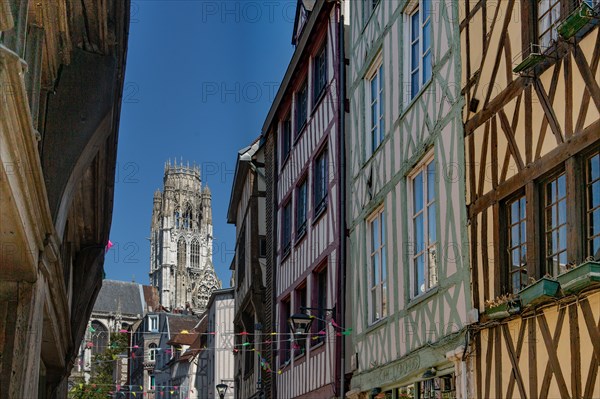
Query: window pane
418	192
415	56
376	267
427	67
415	24
594	166
418	228
414	84
374	234
431	221
420	274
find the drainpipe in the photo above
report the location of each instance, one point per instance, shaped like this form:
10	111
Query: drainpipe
342	183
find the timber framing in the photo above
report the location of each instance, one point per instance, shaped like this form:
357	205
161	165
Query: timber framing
524	133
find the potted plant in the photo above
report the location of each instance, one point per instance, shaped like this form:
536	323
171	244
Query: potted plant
539	291
577	278
502	306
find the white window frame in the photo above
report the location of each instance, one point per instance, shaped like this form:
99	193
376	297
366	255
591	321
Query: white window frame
376	130
378	308
553	16
429	246
413	7
153	323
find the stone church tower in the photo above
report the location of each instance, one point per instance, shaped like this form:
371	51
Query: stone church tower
181	240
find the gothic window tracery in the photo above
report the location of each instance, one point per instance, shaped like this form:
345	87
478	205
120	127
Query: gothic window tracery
187	217
176	217
99	337
195	254
181	253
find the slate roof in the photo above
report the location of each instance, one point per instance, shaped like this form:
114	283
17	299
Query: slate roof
120	296
178	323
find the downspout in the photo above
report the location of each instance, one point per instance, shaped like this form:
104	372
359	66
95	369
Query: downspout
274	220
342	212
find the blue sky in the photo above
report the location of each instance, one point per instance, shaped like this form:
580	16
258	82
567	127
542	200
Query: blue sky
200	79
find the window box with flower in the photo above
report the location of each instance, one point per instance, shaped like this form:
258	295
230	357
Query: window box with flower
503	306
540	291
580	277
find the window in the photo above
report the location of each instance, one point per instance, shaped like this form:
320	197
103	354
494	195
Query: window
286	226
443	387
241	257
187	217
320	73
152	352
548	19
319	327
593	205
262	246
420	32
176	218
517	244
99	337
153	324
195	254
248	321
555	224
301	107
377	107
301	206
301	298
320	182
284	342
286	138
181	253
378	267
423	228
152	383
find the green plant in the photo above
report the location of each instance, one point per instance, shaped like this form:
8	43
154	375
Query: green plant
101	382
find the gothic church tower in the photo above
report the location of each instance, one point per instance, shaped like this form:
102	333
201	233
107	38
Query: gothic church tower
181	240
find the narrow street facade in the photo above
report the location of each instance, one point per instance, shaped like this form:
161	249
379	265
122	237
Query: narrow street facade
408	268
247	212
304	121
532	128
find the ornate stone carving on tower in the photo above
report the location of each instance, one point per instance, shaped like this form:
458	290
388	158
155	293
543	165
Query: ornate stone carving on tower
181	240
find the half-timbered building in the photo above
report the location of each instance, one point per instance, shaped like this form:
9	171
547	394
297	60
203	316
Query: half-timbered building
532	142
305	120
409	273
247	212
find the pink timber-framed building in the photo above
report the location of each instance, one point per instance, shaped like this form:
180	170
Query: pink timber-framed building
305	126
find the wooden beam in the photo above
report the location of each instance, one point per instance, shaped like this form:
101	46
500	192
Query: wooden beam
510	137
514	360
541	166
594	332
553	361
588	77
548	111
575	352
532	355
511	91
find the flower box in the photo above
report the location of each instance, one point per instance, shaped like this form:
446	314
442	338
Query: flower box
503	310
580	277
579	18
539	292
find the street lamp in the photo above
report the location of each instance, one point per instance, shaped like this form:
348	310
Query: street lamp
222	389
300	323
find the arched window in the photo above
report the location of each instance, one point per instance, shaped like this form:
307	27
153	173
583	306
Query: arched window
99	337
187	217
176	217
181	253
152	352
195	254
